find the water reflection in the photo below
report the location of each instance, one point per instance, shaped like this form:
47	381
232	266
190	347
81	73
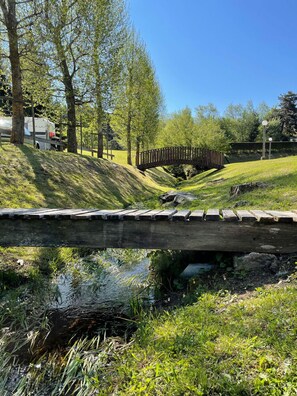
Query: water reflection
107	279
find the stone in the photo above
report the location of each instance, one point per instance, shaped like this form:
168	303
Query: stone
196	269
176	197
256	261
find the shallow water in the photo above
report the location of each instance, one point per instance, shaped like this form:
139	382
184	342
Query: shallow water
103	284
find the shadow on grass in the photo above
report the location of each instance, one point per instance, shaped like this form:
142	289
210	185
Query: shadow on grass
67	180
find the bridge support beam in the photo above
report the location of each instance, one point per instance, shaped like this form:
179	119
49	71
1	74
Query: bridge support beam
151	234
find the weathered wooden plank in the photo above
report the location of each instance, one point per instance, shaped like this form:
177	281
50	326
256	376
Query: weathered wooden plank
149	215
245	216
282	216
197	215
21	212
66	213
212	215
165	214
120	215
135	215
229	215
188	235
181	215
40	214
262	216
95	215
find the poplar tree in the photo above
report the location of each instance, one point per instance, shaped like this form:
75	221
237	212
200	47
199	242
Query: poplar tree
106	25
138	100
63	32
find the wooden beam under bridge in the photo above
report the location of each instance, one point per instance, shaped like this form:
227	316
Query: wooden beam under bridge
214	230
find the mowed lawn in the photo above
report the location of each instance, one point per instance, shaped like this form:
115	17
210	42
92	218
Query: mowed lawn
278	178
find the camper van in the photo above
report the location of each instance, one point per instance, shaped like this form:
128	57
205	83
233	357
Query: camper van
44	132
45	135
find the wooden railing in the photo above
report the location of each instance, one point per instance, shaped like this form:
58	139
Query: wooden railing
200	157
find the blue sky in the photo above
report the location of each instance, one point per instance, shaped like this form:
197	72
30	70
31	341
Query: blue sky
219	51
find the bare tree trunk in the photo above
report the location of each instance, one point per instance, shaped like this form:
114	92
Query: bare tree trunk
137	151
99	122
9	13
71	112
129	144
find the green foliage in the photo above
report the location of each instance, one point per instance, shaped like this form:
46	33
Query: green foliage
287	113
241	123
136	114
166	265
178	129
181	129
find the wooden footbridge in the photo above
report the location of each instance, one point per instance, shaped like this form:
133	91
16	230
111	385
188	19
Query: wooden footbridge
213	230
200	157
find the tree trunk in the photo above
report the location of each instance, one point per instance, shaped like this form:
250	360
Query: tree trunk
137	151
9	13
71	113
129	144
99	121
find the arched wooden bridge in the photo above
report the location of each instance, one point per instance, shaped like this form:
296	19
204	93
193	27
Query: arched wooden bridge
200	157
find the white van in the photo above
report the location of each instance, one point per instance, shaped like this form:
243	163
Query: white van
45	135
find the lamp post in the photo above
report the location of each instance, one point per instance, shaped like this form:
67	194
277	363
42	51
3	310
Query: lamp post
269	151
264	123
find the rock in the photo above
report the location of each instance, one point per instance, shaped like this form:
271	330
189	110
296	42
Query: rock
256	261
196	269
20	262
246	187
176	197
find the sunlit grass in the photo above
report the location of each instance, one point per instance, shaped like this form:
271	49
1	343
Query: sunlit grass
32	178
119	156
220	345
279	192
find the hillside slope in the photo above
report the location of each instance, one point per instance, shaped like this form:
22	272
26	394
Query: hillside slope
278	176
32	178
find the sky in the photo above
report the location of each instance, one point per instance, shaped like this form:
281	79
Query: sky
219	51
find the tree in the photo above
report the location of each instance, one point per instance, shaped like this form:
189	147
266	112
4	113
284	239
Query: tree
14	26
206	112
63	32
179	129
287	113
209	134
241	123
105	22
149	106
138	97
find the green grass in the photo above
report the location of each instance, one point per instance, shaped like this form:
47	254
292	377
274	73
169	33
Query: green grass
32	178
280	176
120	156
220	345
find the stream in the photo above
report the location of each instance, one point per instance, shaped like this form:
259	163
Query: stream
99	294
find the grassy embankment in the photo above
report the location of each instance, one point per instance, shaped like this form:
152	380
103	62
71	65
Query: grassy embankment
222	344
31	178
279	191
